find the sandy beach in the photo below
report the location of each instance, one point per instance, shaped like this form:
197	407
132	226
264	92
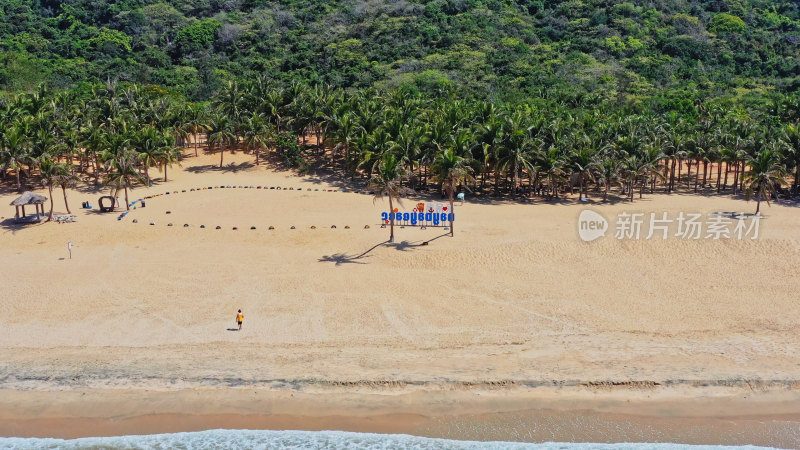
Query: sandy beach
513	313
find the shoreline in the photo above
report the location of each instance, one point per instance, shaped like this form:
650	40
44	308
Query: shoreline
732	415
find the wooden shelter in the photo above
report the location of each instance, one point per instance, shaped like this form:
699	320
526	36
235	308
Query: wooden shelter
27	199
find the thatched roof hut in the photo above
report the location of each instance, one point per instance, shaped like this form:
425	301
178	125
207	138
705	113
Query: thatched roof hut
27	199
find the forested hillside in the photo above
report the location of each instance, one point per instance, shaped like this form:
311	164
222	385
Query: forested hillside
675	51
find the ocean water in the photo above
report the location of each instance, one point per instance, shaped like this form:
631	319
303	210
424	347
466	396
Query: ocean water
267	439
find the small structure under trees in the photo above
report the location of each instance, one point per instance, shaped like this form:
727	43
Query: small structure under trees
112	203
26	199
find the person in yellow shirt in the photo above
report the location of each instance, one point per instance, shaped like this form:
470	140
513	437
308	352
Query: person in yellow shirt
240	319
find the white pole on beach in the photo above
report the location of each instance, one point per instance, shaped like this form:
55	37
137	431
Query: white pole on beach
69	247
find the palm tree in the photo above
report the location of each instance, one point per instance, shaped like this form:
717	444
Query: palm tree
346	132
271	105
793	153
582	162
67	179
230	100
124	173
386	180
148	143
630	170
550	164
15	149
450	170
177	117
490	137
71	140
516	151
166	156
744	136
407	145
220	133
607	173
766	172
43	141
650	165
50	173
115	143
194	118
257	134
376	145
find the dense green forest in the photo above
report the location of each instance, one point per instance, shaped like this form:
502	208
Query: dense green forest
503	98
677	51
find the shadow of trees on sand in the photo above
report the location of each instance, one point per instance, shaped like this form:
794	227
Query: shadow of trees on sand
403	246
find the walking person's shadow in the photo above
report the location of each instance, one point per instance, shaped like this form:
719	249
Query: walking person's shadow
233	329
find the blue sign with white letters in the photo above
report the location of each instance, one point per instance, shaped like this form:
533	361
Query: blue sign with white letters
418	218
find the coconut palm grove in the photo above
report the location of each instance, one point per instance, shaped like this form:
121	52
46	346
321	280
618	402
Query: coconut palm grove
515	99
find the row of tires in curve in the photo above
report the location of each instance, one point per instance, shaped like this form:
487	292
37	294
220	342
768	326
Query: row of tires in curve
277	188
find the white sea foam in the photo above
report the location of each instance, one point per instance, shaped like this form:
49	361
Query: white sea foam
267	439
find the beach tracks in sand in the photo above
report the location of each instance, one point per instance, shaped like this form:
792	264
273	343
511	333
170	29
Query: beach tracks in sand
412	330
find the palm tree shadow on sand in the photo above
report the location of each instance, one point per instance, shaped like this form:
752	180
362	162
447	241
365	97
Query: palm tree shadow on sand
343	258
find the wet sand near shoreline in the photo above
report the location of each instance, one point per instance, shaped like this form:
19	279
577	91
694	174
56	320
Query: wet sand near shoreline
766	419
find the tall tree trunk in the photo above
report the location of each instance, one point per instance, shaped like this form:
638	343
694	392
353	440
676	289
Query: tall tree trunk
741	178
391	220
451	215
66	204
797	178
671	177
555	189
605	194
641	188
630	189
127	204
351	168
165	172
221	154
680	167
50	191
96	167
196	140
696	176
705	173
719	176
688	173
346	162
727	169
19	183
